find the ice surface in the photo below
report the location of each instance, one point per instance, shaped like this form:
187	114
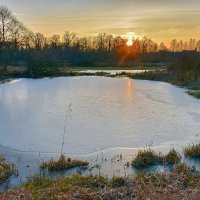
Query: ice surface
106	113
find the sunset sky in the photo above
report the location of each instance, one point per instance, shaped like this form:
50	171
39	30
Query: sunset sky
159	19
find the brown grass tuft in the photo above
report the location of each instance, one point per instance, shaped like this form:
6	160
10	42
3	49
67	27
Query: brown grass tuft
63	163
192	151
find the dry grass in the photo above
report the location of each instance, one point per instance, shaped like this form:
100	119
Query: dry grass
148	157
181	183
172	157
63	163
195	94
6	169
192	151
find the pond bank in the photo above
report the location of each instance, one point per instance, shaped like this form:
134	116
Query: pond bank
182	182
100	164
142	73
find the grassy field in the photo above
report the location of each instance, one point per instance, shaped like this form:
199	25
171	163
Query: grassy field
181	183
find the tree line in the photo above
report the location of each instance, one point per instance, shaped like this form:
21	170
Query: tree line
21	46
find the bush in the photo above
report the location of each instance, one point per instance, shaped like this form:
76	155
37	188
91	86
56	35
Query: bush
40	68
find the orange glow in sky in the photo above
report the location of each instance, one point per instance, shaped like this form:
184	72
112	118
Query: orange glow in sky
162	22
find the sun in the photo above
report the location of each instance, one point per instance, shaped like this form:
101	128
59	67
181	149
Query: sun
130	36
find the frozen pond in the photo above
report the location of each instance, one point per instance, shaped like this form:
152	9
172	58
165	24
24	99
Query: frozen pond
110	116
106	113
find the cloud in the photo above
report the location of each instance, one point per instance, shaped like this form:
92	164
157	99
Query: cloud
155	18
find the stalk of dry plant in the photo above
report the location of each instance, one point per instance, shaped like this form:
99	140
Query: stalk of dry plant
67	117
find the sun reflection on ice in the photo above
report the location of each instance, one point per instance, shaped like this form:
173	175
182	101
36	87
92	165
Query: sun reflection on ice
129	88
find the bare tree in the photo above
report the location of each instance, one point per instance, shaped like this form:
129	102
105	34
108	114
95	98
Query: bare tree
117	42
198	46
109	42
192	44
17	32
28	39
162	47
84	43
173	45
144	45
39	40
6	19
69	38
101	41
55	40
